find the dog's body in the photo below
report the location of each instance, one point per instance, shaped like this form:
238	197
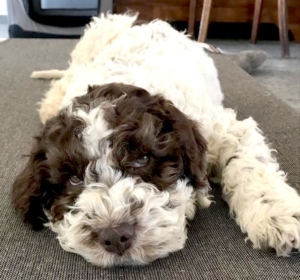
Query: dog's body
141	161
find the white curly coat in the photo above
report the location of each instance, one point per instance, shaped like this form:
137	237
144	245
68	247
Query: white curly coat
161	60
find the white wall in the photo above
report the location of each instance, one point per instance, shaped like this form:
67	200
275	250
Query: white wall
3	7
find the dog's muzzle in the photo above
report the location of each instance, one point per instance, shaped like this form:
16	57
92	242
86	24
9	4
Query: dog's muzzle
130	222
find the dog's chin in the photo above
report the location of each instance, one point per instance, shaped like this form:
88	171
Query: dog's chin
159	219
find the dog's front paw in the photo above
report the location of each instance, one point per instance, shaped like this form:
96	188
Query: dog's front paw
275	226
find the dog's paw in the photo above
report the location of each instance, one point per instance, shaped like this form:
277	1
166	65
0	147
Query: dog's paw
276	226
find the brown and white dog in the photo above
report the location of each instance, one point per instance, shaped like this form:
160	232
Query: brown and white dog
133	129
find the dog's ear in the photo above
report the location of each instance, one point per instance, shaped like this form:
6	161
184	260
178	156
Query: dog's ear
26	193
193	146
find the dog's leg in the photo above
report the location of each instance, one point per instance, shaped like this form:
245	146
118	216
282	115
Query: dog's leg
50	104
260	200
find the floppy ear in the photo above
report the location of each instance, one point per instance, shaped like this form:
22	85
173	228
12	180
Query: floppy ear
193	146
26	191
195	149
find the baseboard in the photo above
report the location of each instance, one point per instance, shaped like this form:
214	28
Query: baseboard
3	19
15	31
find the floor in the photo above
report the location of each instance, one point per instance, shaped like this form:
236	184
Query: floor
280	76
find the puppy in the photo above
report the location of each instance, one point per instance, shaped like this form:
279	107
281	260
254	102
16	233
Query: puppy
133	129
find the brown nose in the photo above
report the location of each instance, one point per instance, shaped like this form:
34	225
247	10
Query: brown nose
116	239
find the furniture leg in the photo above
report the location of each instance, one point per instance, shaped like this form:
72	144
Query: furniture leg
283	30
256	20
192	15
204	20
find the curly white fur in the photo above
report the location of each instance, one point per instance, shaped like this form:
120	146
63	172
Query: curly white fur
156	57
160	229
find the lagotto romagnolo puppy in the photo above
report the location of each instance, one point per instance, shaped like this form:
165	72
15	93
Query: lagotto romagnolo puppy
133	129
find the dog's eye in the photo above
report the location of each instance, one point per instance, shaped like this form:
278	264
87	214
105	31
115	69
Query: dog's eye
75	181
142	161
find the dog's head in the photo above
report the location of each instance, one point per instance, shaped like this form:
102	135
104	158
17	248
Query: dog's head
113	175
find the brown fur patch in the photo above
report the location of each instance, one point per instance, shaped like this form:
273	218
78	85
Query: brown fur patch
152	139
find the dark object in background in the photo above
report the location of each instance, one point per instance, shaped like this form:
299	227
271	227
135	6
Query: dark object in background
52	18
77	13
235	31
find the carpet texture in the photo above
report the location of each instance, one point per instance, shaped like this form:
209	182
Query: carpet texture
215	248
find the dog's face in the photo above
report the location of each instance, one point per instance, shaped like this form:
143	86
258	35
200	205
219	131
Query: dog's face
113	175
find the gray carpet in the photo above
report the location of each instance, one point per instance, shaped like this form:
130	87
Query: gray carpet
215	248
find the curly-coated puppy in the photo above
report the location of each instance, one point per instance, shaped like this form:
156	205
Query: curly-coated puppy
133	129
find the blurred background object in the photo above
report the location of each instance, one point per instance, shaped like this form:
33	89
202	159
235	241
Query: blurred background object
52	18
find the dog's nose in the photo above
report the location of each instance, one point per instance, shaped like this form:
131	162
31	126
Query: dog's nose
117	239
